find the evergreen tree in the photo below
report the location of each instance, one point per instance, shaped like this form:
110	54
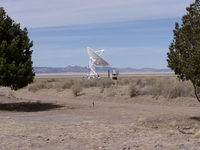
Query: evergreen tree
184	51
16	69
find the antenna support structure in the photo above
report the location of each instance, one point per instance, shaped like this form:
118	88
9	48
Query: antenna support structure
95	59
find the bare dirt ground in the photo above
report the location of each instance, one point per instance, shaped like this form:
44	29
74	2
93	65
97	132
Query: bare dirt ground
39	121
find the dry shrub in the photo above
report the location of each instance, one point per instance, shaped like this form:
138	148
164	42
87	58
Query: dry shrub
124	81
122	90
51	80
197	134
175	92
157	88
76	89
141	83
163	86
50	84
32	88
133	91
6	91
90	83
173	124
181	89
141	119
67	84
101	90
150	81
11	94
61	85
42	84
104	83
170	88
111	92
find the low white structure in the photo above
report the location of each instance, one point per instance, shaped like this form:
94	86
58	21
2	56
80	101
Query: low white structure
95	59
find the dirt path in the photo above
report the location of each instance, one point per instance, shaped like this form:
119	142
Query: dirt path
112	124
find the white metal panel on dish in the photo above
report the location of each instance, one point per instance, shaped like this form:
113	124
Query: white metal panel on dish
96	58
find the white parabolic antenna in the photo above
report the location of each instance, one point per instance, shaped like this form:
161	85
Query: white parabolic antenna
95	59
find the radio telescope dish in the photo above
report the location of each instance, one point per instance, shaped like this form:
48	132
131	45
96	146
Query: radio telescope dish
95	60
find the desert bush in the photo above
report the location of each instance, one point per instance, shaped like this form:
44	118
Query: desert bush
140	83
150	81
101	90
174	92
197	134
181	89
6	91
157	88
124	81
163	86
67	84
32	88
62	85
133	91
76	89
105	83
43	84
51	80
90	83
169	88
111	92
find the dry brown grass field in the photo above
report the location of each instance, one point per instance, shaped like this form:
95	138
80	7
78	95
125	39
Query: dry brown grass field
69	112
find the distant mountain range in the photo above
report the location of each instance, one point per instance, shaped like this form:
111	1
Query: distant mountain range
79	69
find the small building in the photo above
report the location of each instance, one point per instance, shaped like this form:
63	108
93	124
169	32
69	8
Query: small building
114	74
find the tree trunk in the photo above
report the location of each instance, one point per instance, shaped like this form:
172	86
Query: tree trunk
196	91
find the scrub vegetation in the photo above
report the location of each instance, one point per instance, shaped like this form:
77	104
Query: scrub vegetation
168	87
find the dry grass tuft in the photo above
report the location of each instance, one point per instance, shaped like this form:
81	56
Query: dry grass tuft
111	92
168	87
7	92
104	83
197	134
76	89
173	124
141	119
41	84
133	91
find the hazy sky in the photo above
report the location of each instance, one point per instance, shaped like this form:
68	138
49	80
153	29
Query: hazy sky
134	33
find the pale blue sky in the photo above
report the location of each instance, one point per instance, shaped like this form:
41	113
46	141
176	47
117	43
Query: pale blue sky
134	33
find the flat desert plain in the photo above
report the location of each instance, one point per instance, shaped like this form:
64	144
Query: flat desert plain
49	119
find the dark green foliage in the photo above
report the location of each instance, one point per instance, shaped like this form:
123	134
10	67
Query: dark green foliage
15	55
184	54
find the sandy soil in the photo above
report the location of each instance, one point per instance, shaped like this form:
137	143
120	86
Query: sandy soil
54	122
